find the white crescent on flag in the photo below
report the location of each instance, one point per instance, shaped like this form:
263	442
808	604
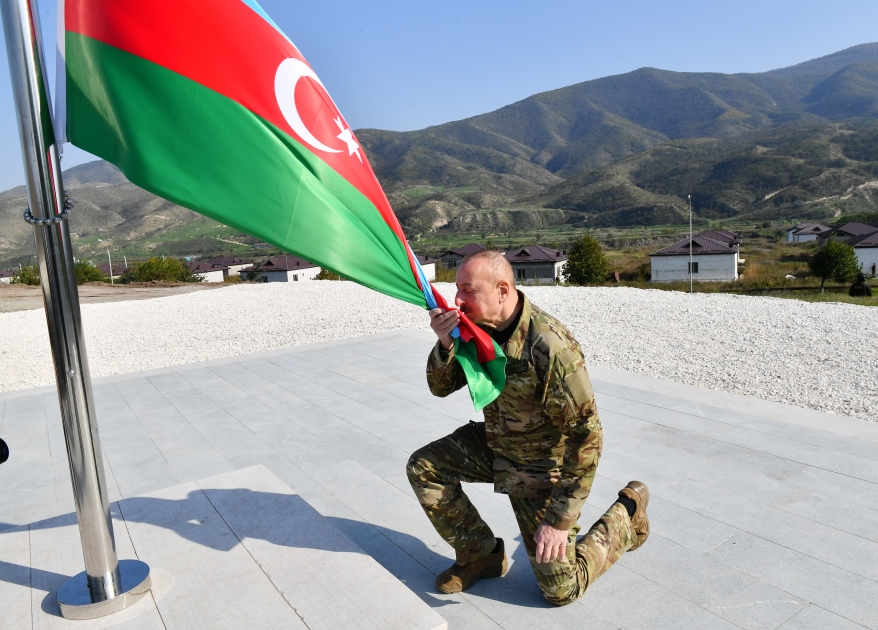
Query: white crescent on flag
285	80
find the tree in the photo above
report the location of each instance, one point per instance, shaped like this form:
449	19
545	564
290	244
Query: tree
29	274
835	260
87	272
162	270
326	274
586	262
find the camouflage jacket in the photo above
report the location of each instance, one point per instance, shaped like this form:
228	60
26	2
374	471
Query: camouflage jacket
543	429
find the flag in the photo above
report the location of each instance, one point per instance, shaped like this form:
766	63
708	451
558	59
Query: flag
208	104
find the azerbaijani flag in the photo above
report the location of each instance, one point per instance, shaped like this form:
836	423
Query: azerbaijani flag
208	104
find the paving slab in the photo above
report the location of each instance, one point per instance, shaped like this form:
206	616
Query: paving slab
763	515
237	550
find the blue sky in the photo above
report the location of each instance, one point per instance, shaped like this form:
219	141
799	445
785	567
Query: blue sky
400	65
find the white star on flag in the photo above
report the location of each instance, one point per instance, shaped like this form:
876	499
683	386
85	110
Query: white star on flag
348	138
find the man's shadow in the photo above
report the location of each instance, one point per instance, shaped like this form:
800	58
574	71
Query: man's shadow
220	519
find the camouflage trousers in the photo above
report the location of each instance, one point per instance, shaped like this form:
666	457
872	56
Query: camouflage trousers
435	472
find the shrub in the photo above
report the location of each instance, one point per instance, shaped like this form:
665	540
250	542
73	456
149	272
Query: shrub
326	274
27	275
161	270
586	262
87	272
446	274
836	261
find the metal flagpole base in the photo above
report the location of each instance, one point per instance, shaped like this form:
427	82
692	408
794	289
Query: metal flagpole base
74	596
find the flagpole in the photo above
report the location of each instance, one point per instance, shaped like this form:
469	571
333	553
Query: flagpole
106	585
110	260
690	245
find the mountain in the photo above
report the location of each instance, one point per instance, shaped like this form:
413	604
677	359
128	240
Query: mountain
494	160
95	173
816	170
797	142
109	210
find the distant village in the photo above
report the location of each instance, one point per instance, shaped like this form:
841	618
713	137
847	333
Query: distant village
709	256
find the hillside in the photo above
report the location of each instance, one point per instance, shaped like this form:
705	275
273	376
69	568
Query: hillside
817	170
494	160
110	211
798	142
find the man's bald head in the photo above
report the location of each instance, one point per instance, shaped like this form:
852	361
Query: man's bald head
494	263
486	289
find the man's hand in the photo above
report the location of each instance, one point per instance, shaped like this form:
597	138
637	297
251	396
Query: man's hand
443	322
551	543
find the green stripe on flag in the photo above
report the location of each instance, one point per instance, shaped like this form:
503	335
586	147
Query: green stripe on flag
482	378
203	151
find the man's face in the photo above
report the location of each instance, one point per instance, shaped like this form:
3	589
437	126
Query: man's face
478	295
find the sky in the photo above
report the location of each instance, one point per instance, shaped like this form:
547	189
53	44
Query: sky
397	65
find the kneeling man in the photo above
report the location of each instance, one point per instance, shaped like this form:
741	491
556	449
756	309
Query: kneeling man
540	444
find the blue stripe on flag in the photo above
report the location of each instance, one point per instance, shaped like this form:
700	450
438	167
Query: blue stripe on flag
426	288
255	6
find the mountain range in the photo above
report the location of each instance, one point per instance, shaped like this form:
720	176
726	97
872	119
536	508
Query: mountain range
798	142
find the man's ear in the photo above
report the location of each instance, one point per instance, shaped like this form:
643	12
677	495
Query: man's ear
503	288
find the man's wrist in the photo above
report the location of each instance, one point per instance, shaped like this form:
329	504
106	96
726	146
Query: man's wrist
442	355
557	522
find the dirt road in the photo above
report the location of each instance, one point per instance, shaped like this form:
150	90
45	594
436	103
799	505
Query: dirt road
20	297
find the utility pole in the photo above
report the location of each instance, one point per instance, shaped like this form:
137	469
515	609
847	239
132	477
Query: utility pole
110	259
107	585
690	244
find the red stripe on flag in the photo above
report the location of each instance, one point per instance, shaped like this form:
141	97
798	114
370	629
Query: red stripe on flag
470	332
226	46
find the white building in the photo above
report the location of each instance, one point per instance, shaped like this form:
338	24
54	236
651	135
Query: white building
866	248
207	272
282	269
451	259
231	266
850	232
118	270
807	232
429	266
536	264
6	276
715	258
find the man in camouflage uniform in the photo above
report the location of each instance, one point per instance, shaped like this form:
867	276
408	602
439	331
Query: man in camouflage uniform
539	444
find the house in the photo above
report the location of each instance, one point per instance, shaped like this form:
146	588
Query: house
866	249
714	258
231	266
536	264
207	272
849	231
6	276
429	266
281	269
807	232
118	270
451	259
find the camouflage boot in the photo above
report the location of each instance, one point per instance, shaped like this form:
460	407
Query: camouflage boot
639	493
459	577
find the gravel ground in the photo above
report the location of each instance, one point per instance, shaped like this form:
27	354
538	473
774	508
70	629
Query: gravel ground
820	356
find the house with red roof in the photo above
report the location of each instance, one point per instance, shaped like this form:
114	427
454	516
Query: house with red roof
805	232
715	257
451	258
207	272
866	249
429	266
536	264
231	266
849	232
281	269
